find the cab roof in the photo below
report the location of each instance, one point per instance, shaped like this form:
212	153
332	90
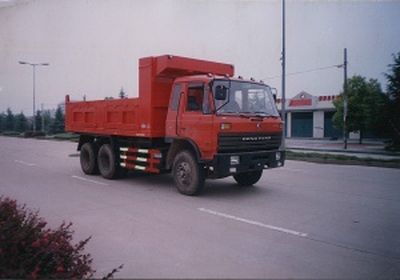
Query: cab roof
209	77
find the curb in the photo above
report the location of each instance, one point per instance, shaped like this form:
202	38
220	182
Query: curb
393	154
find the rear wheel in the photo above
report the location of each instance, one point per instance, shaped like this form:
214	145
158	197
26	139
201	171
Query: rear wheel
88	159
107	162
248	178
188	175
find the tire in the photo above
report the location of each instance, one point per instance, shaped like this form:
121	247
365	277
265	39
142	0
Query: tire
88	159
107	163
188	175
248	178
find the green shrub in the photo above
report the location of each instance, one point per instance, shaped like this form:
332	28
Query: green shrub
30	133
66	136
10	133
29	250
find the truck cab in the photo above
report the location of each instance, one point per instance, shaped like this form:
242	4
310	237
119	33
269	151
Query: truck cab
232	125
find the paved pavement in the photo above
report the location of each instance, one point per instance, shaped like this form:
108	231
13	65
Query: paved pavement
301	221
369	149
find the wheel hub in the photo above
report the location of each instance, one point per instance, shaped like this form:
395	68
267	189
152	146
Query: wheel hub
184	173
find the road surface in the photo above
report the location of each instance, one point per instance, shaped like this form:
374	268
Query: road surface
305	220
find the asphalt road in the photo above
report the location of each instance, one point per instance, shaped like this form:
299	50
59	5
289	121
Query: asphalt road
302	221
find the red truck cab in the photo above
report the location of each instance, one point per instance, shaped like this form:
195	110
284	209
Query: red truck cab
240	121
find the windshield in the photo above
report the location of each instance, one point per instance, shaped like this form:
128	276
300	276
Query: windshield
245	98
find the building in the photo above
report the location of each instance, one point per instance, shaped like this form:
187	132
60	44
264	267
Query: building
310	116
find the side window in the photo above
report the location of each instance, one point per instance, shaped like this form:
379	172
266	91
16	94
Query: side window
176	93
195	97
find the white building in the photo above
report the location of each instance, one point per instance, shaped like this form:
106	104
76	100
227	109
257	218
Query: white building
310	116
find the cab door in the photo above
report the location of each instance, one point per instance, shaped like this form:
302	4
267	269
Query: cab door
171	125
195	120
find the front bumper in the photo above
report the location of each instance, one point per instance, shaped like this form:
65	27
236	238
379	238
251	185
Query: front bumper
221	165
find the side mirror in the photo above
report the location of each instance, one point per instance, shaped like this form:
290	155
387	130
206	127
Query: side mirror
221	92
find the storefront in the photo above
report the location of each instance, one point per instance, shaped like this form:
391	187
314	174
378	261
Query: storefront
309	116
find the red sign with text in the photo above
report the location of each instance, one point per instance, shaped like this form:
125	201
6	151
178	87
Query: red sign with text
300	102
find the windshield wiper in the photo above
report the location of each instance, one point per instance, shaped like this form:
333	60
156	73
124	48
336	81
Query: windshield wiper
248	115
251	114
245	114
264	114
227	112
239	114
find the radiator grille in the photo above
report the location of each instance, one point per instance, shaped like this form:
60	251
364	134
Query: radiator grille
229	143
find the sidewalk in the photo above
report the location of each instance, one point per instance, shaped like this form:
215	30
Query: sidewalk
369	148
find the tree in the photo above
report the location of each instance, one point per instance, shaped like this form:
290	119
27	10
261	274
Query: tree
10	120
38	120
47	120
2	121
21	123
372	106
122	94
393	100
58	123
365	104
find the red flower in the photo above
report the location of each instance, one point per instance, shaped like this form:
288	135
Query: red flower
44	241
36	244
34	274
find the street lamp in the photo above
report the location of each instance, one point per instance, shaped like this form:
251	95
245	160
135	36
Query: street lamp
34	72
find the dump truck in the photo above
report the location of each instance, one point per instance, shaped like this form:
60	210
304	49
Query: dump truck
192	118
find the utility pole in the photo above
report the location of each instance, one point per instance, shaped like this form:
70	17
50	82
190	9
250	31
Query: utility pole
283	76
345	100
34	87
34	101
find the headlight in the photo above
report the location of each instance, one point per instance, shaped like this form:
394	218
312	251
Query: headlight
235	160
278	156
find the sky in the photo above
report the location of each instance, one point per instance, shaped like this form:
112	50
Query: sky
93	46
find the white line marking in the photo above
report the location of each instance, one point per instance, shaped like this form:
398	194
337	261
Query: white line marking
24	163
255	223
89	180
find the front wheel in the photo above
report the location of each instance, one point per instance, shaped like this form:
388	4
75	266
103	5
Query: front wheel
188	175
248	178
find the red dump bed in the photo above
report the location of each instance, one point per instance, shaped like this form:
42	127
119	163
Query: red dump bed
143	116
